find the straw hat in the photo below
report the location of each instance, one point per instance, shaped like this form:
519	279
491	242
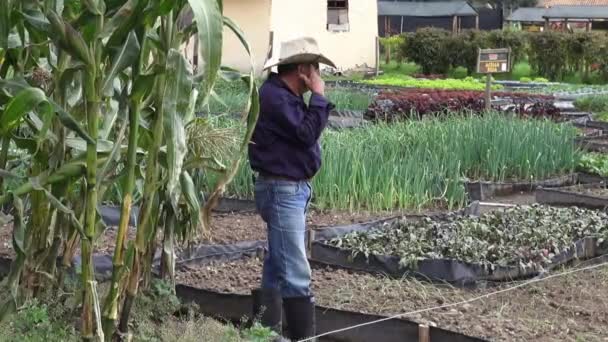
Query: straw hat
299	50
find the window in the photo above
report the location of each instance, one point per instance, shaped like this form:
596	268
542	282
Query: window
337	15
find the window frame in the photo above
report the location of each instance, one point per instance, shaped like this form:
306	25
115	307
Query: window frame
338	6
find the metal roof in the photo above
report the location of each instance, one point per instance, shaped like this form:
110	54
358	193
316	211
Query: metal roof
551	3
529	14
426	9
577	12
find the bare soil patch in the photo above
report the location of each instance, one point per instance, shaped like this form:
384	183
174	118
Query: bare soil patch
569	308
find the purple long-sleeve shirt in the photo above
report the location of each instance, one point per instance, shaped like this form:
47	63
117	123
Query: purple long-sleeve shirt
285	141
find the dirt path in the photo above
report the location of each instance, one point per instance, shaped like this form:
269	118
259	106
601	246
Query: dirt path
570	308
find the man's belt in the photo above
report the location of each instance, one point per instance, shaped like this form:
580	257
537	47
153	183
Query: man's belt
269	176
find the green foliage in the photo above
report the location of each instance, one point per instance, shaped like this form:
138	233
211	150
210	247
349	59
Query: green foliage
594	103
467	83
544	44
348	99
391	44
602	116
428	48
258	333
364	168
595	163
521	70
579	57
458	73
438	50
527	237
34	323
395	68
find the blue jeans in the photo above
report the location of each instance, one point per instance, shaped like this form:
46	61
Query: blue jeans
283	206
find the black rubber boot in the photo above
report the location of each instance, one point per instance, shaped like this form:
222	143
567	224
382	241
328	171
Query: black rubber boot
268	308
300	317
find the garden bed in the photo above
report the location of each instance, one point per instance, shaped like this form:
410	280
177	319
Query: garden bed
415	103
514	243
484	190
601	125
593	196
593	144
561	309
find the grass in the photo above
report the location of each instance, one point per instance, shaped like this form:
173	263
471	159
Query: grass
397	68
154	320
423	163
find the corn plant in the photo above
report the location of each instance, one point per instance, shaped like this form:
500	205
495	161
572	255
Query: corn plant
116	71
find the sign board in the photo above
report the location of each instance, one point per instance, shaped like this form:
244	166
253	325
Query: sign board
493	61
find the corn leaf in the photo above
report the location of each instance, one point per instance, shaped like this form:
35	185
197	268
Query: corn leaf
57	204
69	122
189	191
124	21
208	18
103	146
97	7
176	100
120	18
37	21
69	39
18	227
114	154
24	102
228	175
5	22
55	5
7	174
128	54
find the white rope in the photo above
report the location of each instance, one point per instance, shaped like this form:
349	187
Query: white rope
474	299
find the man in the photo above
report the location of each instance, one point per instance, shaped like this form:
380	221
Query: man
285	154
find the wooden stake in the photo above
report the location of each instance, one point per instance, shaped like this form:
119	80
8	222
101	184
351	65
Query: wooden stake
310	238
488	92
377	56
424	334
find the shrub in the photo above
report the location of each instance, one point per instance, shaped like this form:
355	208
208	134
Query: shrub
426	48
551	54
459	73
548	53
594	103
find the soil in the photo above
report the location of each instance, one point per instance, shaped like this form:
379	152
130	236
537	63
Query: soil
225	229
522	198
567	308
598	191
230	228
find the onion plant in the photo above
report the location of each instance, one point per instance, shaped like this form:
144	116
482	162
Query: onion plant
419	164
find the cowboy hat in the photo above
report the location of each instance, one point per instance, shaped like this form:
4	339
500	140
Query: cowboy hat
299	50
